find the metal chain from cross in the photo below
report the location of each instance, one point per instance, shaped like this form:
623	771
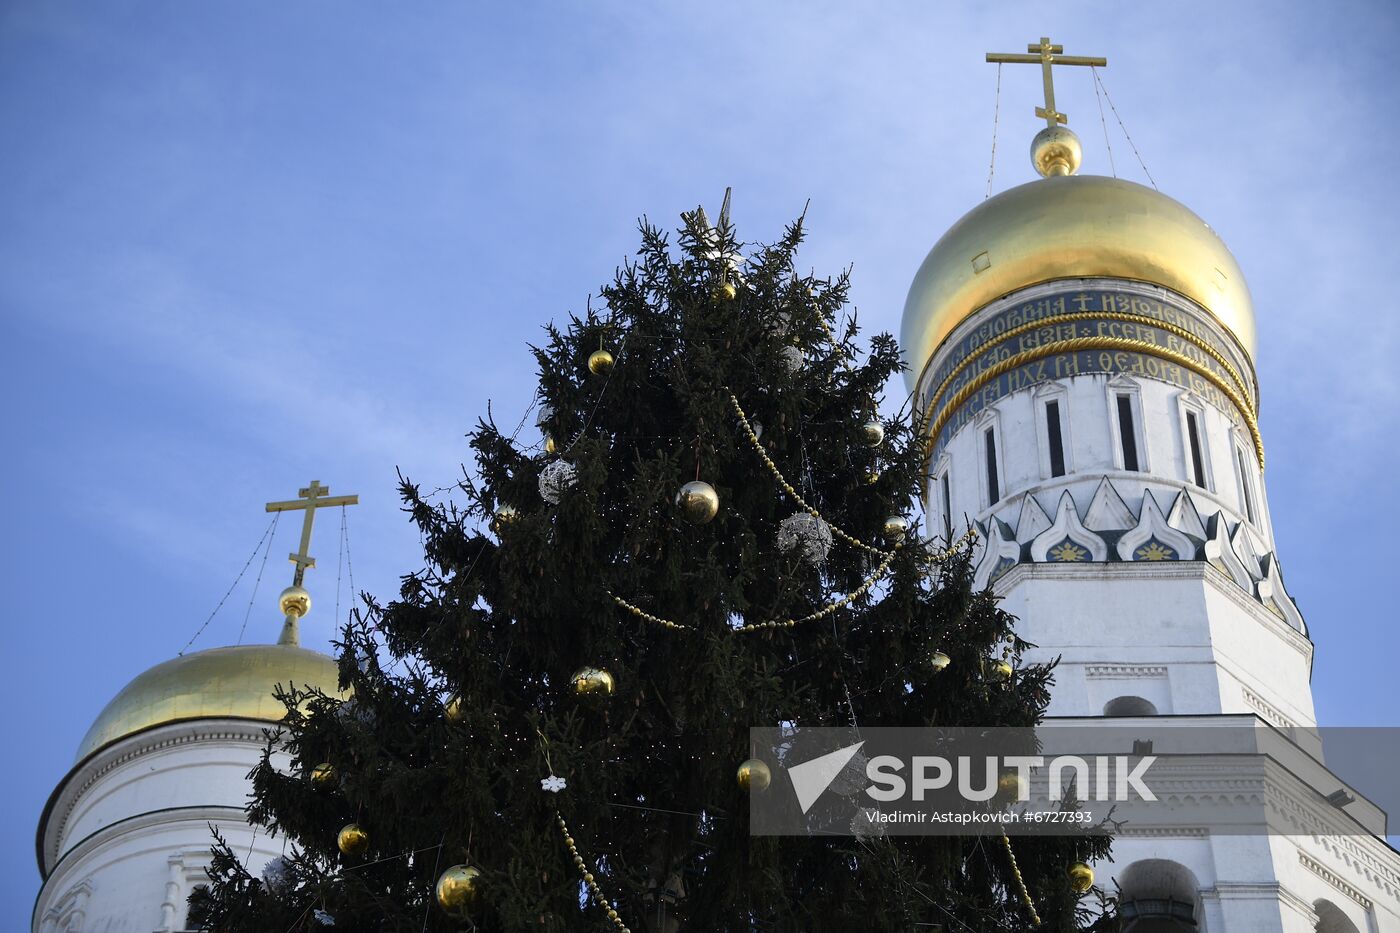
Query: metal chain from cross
1047	55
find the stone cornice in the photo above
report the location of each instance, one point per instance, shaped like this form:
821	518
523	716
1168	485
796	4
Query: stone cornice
1317	868
1124	671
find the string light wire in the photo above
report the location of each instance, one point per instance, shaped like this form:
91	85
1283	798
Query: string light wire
996	118
258	582
1126	134
200	631
1104	123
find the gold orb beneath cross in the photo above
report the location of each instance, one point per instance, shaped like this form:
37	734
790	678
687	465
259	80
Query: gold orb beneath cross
599	362
294	601
353	840
1055	150
1081	877
459	890
698	502
754	776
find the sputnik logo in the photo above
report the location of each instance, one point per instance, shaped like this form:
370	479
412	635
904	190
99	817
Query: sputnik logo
811	778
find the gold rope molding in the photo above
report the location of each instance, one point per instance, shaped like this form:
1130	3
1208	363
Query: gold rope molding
1069	317
1089	343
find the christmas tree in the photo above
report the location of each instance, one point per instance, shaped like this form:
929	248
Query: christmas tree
548	729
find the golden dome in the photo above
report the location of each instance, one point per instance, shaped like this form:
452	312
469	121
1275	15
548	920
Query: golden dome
1065	227
220	682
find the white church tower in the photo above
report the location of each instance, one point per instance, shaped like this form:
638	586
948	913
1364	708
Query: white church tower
1082	353
125	838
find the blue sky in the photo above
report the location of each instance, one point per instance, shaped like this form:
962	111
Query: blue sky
248	245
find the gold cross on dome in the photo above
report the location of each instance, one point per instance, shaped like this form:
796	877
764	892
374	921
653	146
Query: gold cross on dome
311	500
1045	55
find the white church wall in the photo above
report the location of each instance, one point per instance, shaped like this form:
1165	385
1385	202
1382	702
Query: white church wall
126	876
1145	633
127	834
1265	667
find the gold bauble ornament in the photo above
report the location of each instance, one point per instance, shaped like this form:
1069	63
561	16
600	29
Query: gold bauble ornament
1081	877
753	776
550	447
725	291
323	776
872	477
353	840
459	890
593	683
1009	786
698	502
872	433
997	672
939	661
896	526
600	361
503	517
452	710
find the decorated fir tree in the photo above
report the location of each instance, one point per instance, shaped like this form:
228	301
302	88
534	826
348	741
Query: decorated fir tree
549	727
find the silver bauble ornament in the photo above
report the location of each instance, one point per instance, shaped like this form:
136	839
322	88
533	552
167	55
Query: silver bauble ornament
556	479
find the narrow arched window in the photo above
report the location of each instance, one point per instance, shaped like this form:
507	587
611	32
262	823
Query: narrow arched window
1246	484
1127	433
993	487
947	505
1193	440
1055	437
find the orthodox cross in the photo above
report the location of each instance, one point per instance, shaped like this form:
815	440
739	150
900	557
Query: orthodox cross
313	497
1045	55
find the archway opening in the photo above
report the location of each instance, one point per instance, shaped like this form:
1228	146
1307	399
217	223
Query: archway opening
1158	896
1330	918
1129	706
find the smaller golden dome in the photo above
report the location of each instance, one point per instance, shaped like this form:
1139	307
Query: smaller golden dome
1070	227
235	682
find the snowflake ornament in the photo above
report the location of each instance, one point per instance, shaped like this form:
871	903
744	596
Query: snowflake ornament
323	918
866	822
792	358
851	780
806	534
554	784
555	480
277	874
782	323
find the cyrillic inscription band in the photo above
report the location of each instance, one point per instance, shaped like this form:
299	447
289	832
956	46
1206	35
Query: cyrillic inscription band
1082	332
